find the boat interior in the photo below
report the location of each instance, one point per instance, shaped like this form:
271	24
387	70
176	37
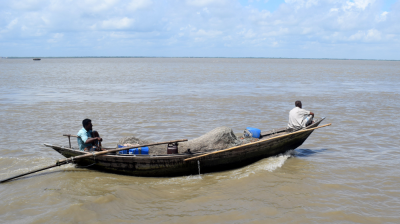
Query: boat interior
264	135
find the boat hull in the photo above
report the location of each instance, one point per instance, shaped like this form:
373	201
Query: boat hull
174	165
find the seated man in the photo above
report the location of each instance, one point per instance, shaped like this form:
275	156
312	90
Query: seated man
89	140
299	118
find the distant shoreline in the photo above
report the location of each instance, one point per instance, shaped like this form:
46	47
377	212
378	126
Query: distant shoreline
202	57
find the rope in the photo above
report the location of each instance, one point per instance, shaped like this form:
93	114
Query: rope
198	165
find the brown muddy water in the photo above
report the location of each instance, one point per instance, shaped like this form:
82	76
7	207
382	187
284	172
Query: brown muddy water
344	173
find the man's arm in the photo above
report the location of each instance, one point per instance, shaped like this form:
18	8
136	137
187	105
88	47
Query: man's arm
306	112
88	140
91	140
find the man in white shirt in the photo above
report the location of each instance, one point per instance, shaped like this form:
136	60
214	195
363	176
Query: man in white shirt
299	118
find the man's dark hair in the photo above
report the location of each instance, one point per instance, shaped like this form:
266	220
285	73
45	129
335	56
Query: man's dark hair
297	103
86	122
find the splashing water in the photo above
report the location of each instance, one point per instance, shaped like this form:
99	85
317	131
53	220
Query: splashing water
270	164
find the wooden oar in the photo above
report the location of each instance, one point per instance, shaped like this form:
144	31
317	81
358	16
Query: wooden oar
71	159
224	150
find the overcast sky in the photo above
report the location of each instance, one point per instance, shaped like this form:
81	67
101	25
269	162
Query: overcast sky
353	29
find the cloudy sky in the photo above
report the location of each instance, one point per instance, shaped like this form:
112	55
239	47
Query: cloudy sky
353	29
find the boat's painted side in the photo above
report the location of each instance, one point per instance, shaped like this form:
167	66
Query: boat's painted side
174	165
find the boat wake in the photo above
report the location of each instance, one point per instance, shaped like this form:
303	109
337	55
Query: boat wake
269	164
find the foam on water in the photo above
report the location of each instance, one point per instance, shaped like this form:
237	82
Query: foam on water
180	180
269	164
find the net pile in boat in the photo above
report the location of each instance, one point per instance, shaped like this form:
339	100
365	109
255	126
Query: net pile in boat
153	150
217	139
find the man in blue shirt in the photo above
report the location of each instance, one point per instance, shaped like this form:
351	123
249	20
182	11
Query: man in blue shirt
89	140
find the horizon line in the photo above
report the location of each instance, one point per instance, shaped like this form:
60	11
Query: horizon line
30	57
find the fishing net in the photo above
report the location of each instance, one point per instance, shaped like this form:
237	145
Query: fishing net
217	139
133	141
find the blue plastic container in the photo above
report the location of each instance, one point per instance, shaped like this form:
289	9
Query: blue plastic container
255	133
142	151
122	151
136	151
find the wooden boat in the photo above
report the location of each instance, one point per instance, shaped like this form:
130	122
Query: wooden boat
36	59
271	143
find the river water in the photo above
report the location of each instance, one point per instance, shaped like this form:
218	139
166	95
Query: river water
344	173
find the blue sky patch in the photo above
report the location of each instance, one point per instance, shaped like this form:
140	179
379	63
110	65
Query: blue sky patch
270	5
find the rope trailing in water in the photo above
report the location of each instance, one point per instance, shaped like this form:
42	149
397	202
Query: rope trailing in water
198	165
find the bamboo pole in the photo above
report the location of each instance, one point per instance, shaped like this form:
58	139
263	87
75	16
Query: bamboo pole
33	171
71	159
269	139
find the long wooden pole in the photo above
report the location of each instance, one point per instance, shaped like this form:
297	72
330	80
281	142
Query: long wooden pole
33	171
71	159
281	136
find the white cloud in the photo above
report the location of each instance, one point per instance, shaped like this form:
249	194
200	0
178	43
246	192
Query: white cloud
97	6
357	36
202	3
56	38
302	3
139	4
367	36
58	35
373	35
249	34
210	33
27	4
382	17
195	24
115	23
360	4
12	23
276	33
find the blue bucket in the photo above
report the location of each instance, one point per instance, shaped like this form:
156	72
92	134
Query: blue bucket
255	133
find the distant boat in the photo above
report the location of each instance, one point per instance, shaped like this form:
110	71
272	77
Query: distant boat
36	59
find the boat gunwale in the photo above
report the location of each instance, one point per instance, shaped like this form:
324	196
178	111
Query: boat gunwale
128	155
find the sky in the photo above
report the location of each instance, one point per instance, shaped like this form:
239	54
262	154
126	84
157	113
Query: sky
338	29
